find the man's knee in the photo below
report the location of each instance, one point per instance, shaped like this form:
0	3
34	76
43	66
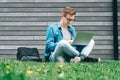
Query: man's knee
63	43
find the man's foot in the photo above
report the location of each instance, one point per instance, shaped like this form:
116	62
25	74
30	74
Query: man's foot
90	59
75	59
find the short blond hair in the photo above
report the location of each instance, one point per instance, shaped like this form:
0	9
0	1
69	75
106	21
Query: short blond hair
68	10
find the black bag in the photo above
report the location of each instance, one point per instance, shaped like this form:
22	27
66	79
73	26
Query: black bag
28	54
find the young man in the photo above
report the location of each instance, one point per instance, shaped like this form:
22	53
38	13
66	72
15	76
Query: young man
59	38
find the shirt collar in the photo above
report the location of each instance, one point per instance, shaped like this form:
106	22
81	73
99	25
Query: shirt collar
59	26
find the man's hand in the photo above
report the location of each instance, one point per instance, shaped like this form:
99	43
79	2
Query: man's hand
70	41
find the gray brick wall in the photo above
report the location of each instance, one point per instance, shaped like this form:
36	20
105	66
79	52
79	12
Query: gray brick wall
24	23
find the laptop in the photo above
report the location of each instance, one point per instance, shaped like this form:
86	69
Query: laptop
82	38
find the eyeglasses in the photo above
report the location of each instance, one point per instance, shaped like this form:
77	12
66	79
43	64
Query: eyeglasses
68	19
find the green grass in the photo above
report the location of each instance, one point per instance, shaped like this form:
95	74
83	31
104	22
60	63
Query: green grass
18	70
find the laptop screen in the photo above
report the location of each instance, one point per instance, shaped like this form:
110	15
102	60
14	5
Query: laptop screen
82	38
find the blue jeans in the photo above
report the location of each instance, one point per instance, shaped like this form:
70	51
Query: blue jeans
68	51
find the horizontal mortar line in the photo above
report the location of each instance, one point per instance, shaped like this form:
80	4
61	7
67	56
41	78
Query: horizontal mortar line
55	1
22	37
44	37
16	46
48	23
58	14
43	47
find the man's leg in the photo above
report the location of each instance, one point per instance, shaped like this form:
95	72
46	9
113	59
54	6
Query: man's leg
62	48
87	49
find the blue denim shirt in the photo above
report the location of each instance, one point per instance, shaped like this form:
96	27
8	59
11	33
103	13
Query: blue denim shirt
53	36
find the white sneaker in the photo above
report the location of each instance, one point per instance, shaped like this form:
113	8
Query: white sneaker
75	60
99	59
72	60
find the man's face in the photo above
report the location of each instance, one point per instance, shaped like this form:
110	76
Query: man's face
68	19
